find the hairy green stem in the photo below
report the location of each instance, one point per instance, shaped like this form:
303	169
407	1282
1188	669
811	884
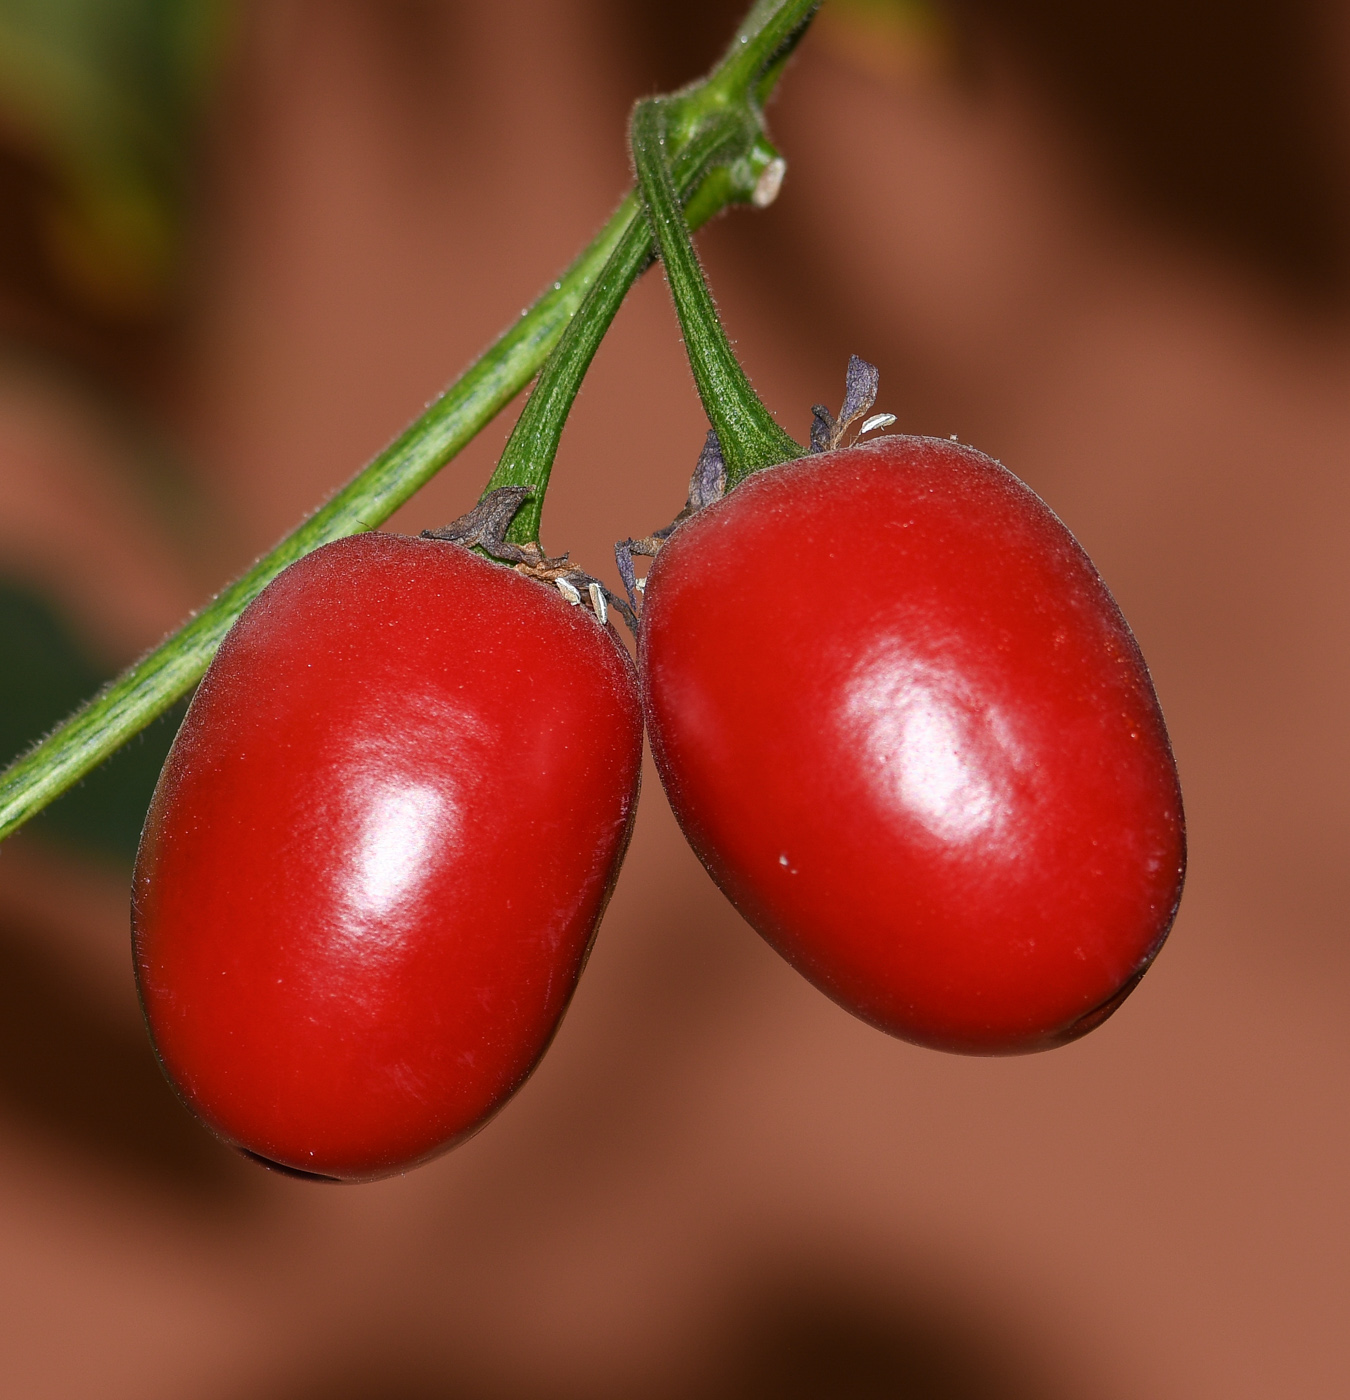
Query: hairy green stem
747	432
721	126
142	693
527	459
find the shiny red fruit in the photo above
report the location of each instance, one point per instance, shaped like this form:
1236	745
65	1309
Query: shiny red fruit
379	850
907	730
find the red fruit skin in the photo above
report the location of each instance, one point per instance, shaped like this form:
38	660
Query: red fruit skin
378	853
906	729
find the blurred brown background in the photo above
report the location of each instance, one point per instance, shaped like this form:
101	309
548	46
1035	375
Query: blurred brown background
241	245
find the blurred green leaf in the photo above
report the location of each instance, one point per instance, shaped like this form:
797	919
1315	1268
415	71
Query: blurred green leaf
45	676
107	94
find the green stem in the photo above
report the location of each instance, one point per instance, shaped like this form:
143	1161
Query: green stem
749	436
721	128
754	59
142	693
527	459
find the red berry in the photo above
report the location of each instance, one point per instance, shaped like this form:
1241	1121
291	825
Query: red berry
907	730
379	850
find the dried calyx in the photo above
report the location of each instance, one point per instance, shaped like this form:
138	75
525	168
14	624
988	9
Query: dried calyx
860	393
484	528
709	482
